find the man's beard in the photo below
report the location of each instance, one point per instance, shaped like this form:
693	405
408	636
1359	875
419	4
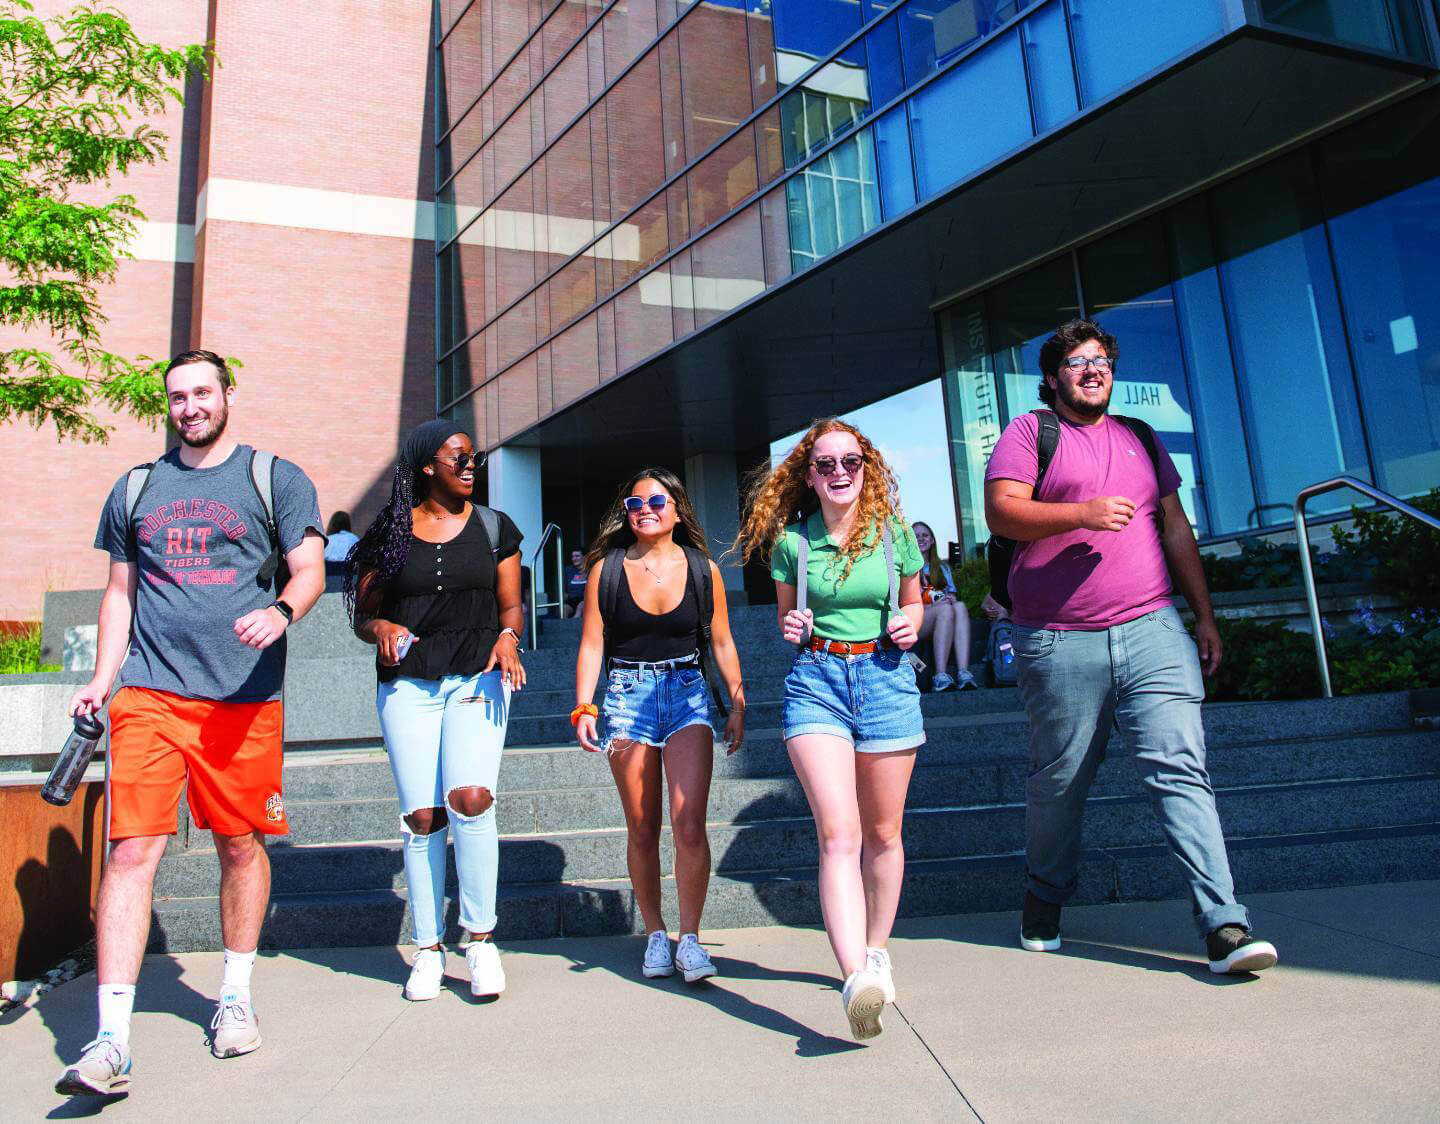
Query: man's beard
208	436
1070	396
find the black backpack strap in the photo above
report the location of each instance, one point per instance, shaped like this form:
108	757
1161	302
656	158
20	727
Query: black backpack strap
136	481
490	520
703	582
1142	430
1047	440
612	573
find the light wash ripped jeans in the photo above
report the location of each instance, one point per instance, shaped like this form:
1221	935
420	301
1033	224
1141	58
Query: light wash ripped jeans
1142	676
440	735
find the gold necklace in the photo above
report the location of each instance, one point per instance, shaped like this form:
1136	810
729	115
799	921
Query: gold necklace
659	578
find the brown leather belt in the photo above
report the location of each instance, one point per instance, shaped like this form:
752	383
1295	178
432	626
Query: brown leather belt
843	647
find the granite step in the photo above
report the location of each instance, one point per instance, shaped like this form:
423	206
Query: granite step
955	885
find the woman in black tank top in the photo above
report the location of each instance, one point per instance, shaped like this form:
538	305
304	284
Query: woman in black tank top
642	621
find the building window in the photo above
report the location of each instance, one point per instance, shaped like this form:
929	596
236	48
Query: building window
833	201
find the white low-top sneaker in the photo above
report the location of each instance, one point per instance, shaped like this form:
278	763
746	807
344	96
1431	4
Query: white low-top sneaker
487	976
427	975
235	1029
659	961
877	960
693	960
864	998
102	1071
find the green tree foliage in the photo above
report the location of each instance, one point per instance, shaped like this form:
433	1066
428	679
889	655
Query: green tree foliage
74	92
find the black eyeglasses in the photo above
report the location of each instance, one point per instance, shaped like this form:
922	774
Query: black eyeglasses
464	461
634	505
850	462
1079	362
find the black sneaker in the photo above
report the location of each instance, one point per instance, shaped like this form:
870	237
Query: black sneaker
1232	949
1039	925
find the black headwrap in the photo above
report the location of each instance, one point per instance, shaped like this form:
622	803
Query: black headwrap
424	442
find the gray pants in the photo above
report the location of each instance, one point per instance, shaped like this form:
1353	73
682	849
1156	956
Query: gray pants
1144	677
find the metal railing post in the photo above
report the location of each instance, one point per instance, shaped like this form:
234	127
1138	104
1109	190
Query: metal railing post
1312	596
550	534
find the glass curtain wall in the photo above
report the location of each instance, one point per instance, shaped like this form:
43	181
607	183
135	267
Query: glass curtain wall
1278	330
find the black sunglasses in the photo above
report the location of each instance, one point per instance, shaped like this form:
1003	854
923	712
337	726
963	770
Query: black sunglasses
850	462
464	461
634	505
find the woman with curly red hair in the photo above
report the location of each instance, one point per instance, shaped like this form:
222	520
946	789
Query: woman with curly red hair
828	520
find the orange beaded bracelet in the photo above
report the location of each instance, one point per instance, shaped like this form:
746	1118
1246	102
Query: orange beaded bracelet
583	708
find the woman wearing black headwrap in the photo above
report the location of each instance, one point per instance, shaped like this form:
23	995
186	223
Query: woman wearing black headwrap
439	597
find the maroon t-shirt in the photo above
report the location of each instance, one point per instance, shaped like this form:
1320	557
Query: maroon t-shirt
1088	579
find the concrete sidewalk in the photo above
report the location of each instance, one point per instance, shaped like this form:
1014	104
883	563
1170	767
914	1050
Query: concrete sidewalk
1125	1024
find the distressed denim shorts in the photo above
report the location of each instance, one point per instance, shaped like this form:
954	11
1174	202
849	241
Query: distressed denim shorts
870	700
653	703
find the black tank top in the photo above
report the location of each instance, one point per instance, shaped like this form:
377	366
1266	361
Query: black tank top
637	635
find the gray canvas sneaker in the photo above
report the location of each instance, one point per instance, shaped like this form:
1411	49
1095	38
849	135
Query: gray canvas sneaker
102	1071
235	1027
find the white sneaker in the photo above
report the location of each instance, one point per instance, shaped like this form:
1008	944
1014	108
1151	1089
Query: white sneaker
235	1029
864	998
102	1071
693	960
658	959
877	961
427	975
487	976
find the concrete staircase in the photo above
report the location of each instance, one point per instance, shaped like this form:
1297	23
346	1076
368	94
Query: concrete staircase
1311	793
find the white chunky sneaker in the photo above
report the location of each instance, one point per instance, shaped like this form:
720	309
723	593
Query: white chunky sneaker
864	997
235	1029
102	1071
692	959
487	976
427	975
877	960
658	959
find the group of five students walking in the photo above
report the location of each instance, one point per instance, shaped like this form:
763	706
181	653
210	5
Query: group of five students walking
435	585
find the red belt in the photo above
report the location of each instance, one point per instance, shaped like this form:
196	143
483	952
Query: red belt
843	647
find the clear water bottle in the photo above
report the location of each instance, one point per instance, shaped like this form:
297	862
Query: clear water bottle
74	759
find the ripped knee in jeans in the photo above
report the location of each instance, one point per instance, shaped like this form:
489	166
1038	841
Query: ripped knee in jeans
424	821
470	802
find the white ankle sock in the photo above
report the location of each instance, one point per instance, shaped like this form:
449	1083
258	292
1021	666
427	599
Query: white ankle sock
237	972
116	1003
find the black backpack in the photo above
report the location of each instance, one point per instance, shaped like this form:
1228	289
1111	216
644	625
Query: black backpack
1000	551
612	573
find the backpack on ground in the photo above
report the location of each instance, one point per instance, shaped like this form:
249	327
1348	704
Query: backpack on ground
273	571
1000	551
1000	654
612	573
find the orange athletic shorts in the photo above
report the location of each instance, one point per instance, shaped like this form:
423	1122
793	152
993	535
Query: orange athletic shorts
231	753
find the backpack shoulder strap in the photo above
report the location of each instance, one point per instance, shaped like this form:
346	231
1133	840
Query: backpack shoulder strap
136	481
612	573
702	580
1046	442
802	567
262	476
887	540
490	520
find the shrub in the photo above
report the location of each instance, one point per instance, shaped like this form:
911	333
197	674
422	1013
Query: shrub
1402	552
20	652
972	582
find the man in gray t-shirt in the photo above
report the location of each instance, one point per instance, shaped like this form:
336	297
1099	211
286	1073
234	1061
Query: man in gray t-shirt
193	620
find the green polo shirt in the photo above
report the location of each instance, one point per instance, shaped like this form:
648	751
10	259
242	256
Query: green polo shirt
855	608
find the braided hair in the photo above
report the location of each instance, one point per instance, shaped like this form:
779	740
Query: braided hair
377	559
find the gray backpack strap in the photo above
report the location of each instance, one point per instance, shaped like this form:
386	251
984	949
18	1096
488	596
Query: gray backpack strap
262	475
490	520
887	540
136	481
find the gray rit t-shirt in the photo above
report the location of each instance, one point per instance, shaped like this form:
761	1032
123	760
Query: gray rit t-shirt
199	540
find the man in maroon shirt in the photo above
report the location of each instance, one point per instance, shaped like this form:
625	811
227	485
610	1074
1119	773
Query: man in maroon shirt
1099	642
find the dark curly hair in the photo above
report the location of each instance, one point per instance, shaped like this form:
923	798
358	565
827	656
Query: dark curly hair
1066	339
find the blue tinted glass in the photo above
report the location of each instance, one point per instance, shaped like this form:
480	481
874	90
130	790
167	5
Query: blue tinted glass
1382	185
1386	25
882	50
1116	41
1224	461
826	105
1052	77
1022	314
897	175
971	115
809	30
1126	282
1285	328
932	32
833	200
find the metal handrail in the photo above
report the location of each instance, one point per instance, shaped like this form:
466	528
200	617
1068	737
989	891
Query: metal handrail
549	534
1307	570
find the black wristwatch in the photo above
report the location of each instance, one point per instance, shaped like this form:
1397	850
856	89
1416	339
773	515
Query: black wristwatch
285	611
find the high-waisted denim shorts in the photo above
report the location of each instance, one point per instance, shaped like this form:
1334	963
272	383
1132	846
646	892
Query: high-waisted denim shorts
652	703
871	700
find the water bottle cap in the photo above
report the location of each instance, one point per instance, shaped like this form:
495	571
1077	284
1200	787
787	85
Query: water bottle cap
87	726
